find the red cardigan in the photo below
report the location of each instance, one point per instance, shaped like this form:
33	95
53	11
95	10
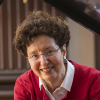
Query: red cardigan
85	86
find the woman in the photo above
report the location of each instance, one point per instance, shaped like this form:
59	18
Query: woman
43	39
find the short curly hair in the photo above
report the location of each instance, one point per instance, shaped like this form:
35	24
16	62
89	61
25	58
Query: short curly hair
37	23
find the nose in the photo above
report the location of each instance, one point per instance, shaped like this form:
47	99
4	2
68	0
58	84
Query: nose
43	60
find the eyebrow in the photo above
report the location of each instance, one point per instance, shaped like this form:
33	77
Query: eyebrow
44	50
49	48
32	52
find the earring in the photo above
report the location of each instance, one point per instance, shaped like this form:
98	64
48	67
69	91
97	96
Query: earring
64	57
65	60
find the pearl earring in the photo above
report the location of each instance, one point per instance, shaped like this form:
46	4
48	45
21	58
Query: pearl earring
64	57
65	60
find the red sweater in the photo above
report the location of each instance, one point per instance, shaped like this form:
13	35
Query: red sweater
85	86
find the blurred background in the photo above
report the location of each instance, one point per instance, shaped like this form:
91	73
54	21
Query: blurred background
83	48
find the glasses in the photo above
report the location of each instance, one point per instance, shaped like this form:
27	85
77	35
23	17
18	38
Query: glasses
47	53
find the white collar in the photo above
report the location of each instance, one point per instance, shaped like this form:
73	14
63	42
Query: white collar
67	82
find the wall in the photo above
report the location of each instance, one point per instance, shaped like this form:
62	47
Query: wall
82	45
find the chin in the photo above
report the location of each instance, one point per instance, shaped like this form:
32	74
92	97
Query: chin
49	78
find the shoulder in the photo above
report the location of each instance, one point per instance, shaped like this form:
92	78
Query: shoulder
83	69
85	74
25	76
27	79
26	86
86	80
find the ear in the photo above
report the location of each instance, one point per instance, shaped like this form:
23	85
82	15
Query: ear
64	51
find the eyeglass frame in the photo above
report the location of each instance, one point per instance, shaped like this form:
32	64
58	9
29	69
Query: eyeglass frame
45	54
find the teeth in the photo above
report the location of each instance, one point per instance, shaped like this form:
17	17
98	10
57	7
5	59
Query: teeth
47	69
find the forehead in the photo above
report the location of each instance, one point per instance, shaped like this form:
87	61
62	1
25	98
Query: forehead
41	43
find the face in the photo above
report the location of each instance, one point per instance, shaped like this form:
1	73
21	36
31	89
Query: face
48	68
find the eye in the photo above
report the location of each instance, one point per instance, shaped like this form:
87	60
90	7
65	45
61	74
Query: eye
50	51
34	56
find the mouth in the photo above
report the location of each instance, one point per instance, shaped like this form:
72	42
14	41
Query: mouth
47	69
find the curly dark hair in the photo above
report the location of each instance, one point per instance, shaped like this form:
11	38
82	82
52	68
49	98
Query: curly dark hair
37	23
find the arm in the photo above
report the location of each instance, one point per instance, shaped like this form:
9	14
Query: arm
20	92
95	89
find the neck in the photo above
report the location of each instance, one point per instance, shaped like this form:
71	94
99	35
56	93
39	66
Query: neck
53	84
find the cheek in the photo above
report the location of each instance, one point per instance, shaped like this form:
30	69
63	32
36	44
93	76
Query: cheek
34	66
57	60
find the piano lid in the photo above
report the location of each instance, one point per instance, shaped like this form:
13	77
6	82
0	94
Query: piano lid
85	12
1	1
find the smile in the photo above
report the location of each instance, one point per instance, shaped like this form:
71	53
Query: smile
47	69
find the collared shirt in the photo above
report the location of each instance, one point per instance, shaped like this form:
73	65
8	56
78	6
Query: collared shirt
61	91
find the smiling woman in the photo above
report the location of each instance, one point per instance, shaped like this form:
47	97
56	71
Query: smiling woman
49	67
43	40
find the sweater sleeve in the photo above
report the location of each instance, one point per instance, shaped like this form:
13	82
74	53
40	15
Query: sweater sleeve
95	88
20	92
